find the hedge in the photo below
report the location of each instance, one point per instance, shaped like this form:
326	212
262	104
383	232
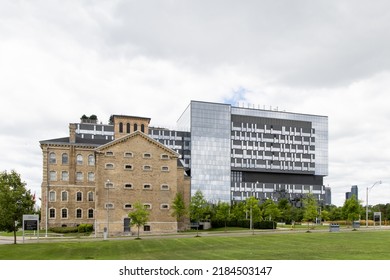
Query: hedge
244	224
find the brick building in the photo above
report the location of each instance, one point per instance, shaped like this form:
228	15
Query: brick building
97	177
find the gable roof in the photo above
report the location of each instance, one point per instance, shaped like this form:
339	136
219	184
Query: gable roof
137	134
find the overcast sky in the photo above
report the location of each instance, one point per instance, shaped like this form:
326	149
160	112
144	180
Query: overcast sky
62	59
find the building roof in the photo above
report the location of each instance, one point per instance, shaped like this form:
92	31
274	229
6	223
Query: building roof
79	141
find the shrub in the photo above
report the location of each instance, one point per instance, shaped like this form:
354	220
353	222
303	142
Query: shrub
244	224
64	229
85	228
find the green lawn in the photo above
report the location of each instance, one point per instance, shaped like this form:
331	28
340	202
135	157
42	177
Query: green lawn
351	245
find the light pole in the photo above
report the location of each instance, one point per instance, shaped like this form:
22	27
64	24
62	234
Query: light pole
369	188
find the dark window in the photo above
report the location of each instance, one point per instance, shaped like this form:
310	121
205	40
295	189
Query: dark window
79	196
79	213
135	127
65	158
146	228
143	128
120	127
128	127
52	213
90	214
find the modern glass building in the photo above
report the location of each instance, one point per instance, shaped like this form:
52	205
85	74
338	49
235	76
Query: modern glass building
233	153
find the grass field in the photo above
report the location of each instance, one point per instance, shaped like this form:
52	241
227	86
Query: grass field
351	245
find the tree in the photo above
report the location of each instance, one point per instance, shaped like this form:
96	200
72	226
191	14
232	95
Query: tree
222	212
310	209
198	208
271	210
351	209
15	201
179	207
139	216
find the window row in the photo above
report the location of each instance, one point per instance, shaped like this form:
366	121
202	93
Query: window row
65	159
129	206
131	155
65	196
122	127
65	176
64	213
130	167
130	186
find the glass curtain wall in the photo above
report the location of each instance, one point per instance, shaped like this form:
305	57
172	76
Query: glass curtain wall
210	150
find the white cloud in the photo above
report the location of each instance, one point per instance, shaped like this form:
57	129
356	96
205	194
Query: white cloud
62	59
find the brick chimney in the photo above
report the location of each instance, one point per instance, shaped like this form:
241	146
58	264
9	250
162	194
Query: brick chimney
72	133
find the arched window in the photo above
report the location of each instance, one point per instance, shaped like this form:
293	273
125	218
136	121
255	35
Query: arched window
79	196
79	213
52	196
135	127
65	158
91	160
90	213
143	128
64	213
64	196
90	196
79	159
120	127
128	128
52	158
52	213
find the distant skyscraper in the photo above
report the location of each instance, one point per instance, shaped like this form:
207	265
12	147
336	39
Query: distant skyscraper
354	192
328	196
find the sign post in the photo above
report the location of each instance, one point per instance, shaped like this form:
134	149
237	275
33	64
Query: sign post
378	218
31	222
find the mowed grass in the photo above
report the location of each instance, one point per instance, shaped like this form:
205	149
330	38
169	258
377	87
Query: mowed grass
370	245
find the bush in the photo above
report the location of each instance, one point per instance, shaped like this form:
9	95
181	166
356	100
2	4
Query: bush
85	228
64	229
244	224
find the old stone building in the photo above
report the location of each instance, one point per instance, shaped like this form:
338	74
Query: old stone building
97	174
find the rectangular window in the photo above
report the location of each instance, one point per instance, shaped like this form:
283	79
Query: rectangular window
165	187
109	205
147	187
146	228
147	206
79	196
129	186
128	206
164	206
164	156
147	155
165	169
147	168
90	196
128	167
109	166
128	154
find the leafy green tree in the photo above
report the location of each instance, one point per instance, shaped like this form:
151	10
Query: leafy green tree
139	216
15	200
271	210
179	208
238	211
351	209
310	209
198	208
325	215
285	208
222	212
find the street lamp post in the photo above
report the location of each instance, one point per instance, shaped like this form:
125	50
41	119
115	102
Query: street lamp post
369	188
